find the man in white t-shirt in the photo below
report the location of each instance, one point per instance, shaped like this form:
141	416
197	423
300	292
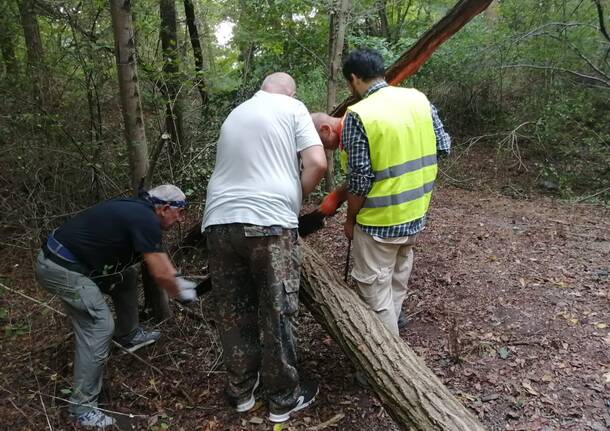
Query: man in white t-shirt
269	156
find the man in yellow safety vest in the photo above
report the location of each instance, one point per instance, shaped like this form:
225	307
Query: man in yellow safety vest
392	138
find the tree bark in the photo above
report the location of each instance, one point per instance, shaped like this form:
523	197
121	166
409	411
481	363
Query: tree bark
7	45
200	63
337	28
246	46
7	39
411	61
129	90
411	393
384	26
35	53
170	85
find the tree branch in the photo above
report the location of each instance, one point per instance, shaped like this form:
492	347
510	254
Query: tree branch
600	15
574	48
559	69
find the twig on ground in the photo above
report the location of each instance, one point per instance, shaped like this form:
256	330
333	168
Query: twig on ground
129	415
414	314
44	408
134	392
332	421
61	313
45	412
22	413
195	315
44	304
591	196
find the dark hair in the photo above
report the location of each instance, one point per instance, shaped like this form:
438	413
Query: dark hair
365	63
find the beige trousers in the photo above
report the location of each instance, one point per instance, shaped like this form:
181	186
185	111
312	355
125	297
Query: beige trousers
382	267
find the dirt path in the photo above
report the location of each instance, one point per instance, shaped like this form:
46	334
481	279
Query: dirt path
509	304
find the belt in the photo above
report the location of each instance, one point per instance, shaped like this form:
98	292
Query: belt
58	249
70	266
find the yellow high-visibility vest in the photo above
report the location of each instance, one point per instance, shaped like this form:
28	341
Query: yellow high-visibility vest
402	144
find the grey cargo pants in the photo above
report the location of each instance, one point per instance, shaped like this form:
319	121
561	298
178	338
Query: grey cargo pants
92	322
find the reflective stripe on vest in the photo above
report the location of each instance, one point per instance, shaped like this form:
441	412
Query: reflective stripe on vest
402	147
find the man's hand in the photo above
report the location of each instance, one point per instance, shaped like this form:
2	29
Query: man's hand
332	201
354	203
348	229
187	292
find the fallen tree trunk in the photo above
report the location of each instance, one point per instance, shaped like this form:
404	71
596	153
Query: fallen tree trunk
410	392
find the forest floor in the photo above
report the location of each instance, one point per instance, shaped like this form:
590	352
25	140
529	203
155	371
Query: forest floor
509	304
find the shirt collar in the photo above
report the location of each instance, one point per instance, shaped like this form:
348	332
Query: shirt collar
376	86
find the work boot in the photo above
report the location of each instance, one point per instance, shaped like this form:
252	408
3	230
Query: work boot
94	419
139	338
247	401
309	390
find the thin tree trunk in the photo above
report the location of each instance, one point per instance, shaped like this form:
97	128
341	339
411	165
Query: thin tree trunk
129	91
384	26
246	47
7	45
133	116
410	392
200	63
35	53
7	39
170	85
337	28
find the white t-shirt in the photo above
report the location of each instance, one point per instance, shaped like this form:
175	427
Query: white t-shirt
256	179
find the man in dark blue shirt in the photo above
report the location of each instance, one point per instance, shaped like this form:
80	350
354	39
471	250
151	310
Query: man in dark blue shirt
95	253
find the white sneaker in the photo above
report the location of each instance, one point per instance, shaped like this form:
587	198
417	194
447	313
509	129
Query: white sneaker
94	419
309	390
243	405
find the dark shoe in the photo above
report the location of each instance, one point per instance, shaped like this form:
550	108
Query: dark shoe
361	380
309	390
245	403
402	320
139	339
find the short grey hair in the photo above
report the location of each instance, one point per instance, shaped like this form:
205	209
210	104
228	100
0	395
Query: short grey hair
279	83
167	193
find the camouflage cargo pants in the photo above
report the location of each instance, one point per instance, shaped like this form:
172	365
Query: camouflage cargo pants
255	273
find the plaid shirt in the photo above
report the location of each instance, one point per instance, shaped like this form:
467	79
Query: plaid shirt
360	171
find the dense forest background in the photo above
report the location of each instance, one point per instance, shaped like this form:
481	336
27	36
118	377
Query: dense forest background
508	303
523	87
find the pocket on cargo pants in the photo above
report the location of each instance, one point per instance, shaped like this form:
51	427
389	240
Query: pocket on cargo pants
375	288
291	297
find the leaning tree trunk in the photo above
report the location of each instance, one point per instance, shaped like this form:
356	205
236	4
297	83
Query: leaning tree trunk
338	23
411	393
410	62
134	123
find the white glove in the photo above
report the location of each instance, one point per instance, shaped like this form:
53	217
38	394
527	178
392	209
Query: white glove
187	292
